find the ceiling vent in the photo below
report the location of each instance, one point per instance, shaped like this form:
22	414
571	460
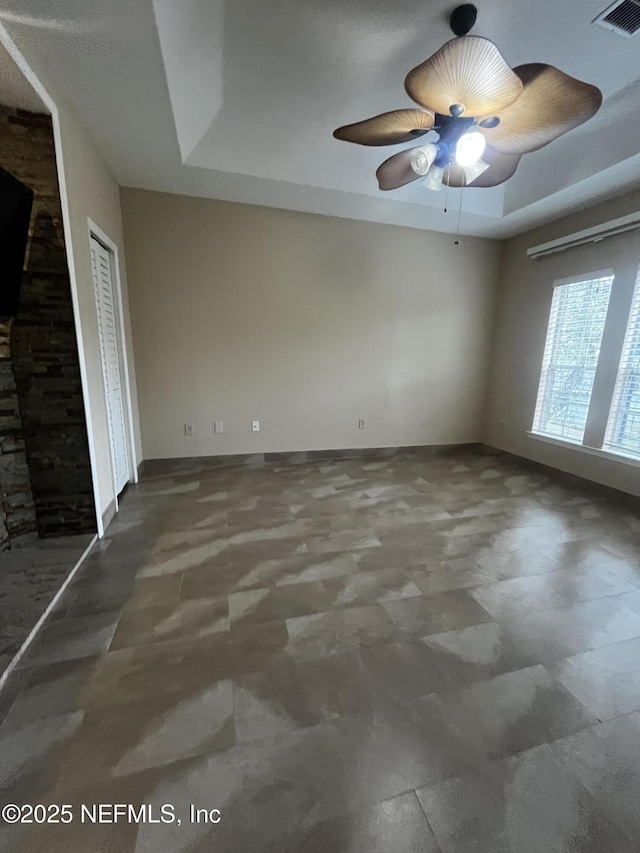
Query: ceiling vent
623	18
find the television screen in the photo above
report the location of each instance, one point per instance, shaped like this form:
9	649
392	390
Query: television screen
15	213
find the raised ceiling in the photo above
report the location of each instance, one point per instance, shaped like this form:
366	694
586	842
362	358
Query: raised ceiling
237	99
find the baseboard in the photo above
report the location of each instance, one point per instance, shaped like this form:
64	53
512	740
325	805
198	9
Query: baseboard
13	663
108	514
190	464
567	479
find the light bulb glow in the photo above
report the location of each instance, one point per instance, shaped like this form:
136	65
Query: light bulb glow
423	157
470	148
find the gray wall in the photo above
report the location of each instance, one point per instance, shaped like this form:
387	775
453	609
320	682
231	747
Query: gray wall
307	323
522	314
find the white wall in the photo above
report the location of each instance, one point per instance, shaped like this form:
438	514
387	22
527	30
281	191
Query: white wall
304	322
94	194
88	190
523	306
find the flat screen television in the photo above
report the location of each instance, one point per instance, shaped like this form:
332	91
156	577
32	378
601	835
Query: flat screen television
16	200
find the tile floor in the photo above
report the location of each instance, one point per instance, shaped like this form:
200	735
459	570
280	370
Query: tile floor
400	655
30	576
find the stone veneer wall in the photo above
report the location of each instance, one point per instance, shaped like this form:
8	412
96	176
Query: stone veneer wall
43	341
17	510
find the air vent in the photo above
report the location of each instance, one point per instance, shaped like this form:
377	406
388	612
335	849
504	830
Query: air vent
623	18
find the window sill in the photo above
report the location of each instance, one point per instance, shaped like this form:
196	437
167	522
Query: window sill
582	448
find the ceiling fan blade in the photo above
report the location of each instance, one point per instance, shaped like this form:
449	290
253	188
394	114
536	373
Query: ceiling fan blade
469	71
396	171
501	168
388	128
552	103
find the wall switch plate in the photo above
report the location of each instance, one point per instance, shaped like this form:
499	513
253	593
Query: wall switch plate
361	424
255	426
218	426
188	429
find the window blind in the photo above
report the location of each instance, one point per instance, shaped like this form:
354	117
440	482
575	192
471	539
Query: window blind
576	324
623	429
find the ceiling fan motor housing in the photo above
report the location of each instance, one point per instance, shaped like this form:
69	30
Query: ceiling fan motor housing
463	18
450	128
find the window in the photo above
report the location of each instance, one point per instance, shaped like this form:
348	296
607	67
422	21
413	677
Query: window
623	429
578	314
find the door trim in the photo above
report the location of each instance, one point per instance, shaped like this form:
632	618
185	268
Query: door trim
98	234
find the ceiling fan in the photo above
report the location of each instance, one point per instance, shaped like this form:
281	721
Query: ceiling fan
485	114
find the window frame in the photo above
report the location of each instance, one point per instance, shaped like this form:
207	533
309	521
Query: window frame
615	410
585	277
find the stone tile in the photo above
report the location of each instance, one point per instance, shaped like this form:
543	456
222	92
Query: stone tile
402	670
299	569
287	695
74	637
398	824
369	588
505	714
606	760
100	590
11	689
606	680
283	602
523	804
351	540
516	559
564	631
50	690
213	580
158	670
134	738
311	773
395	677
338	630
591	554
155	592
24	749
251	647
475	525
79	836
476	653
344	564
445	611
520	596
190	619
389	557
631	600
481	567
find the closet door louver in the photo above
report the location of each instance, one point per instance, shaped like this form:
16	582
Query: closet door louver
107	325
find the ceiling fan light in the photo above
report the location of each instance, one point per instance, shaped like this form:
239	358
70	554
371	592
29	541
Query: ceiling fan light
470	148
422	158
433	180
474	171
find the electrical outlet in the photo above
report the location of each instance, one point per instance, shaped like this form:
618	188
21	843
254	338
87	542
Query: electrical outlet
255	426
188	429
218	426
361	423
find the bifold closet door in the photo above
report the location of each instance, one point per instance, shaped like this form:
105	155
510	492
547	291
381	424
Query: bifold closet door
101	260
